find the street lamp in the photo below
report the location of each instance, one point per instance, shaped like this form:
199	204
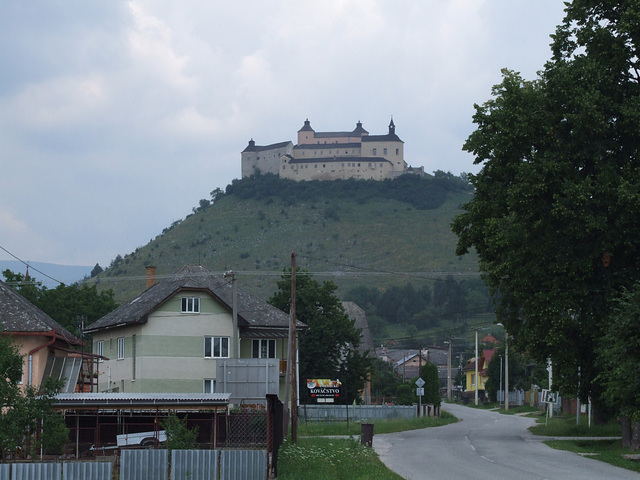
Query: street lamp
449	370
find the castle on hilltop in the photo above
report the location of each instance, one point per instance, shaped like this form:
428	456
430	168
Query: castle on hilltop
330	156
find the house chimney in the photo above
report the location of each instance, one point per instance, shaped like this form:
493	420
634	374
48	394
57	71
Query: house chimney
151	276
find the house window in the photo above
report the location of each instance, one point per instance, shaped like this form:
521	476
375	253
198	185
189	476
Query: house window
100	349
216	347
264	349
209	385
190	305
120	348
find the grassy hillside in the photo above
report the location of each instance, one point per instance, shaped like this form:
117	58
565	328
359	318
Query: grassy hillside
348	242
373	242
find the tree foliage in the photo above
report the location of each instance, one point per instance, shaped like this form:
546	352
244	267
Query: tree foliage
27	420
619	355
179	436
329	347
429	373
554	216
423	193
69	305
423	307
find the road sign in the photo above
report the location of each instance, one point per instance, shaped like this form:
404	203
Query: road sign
420	391
420	382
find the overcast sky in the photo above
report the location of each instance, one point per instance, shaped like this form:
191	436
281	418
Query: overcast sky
117	117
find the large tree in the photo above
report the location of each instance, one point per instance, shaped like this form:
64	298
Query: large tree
69	305
554	215
329	347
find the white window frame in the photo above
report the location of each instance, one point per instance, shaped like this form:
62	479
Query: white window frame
209	385
259	345
190	305
121	351
100	349
211	343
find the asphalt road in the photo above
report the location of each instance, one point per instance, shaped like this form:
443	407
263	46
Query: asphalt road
485	445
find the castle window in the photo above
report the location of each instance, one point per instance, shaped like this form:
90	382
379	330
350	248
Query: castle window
358	164
343	164
375	151
283	167
397	151
381	165
385	151
369	165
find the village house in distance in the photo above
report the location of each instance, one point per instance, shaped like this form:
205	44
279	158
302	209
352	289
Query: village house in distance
330	156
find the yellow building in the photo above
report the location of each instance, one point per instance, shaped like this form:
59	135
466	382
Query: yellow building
470	372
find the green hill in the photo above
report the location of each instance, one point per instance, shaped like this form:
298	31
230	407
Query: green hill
355	233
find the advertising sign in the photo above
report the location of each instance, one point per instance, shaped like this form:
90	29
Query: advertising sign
324	390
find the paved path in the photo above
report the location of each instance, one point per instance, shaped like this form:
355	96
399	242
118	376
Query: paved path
486	444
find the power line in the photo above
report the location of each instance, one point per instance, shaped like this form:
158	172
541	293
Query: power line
30	266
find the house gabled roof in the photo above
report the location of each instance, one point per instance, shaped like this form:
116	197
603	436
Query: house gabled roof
18	315
360	317
252	312
483	362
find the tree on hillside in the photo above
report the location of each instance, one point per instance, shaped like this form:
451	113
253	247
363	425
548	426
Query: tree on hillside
69	305
27	420
329	347
554	216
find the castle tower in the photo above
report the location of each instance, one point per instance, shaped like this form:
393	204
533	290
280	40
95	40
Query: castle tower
306	134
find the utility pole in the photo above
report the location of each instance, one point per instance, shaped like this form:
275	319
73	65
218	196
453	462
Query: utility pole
476	372
449	372
420	376
293	359
235	353
506	371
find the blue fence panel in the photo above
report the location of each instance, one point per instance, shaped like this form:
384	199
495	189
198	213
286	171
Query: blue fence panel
144	465
243	465
87	470
36	471
194	464
5	471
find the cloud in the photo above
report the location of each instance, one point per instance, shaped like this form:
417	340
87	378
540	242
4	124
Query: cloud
117	117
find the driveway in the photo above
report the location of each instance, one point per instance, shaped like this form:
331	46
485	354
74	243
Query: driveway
486	444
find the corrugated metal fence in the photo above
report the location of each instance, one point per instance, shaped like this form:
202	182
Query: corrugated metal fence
356	413
50	471
151	465
144	464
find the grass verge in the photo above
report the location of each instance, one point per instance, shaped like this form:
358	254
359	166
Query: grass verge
609	451
330	458
312	429
565	426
